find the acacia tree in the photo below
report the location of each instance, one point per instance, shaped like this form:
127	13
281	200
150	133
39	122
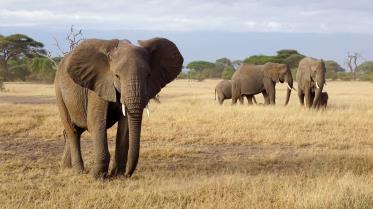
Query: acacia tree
351	61
17	46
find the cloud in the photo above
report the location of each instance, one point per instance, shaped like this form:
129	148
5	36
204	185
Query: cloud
299	16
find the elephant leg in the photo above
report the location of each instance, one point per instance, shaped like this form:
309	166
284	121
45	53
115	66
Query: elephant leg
73	143
234	100
102	156
266	98
249	99
121	148
66	156
272	96
220	99
97	117
241	99
271	91
308	98
312	98
301	97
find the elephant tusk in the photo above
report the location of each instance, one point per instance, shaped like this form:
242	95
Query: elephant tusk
124	110
289	87
147	110
317	85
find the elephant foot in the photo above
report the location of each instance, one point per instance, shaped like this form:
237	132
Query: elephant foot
78	168
100	172
66	163
116	171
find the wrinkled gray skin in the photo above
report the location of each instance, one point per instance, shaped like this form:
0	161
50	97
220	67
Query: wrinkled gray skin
94	81
310	71
224	91
251	79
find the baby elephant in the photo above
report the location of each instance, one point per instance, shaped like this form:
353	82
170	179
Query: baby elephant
224	91
323	102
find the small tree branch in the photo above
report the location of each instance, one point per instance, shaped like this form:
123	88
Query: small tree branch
58	46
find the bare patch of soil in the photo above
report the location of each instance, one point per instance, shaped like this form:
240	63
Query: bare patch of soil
27	99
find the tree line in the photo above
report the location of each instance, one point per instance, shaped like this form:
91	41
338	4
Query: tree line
224	68
25	59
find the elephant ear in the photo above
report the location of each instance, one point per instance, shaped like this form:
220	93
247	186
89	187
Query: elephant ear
88	66
165	62
271	70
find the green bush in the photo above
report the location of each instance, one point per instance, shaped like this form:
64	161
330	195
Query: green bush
366	77
227	73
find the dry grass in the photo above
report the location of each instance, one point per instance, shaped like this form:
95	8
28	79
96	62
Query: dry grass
197	154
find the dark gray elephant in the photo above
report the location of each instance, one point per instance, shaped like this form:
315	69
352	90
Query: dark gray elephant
224	91
251	79
102	82
311	80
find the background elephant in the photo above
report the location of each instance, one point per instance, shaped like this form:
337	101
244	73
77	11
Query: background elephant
252	79
311	80
224	91
102	82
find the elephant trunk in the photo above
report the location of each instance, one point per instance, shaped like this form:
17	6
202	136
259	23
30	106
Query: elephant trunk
134	125
317	94
319	85
135	99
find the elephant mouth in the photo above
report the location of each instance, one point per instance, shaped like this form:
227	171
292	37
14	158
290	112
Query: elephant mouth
281	80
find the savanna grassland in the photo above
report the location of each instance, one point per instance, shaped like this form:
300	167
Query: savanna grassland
197	154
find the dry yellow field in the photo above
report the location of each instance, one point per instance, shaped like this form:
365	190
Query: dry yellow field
197	154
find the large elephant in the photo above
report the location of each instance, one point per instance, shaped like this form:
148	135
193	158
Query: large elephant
102	82
224	91
252	79
311	80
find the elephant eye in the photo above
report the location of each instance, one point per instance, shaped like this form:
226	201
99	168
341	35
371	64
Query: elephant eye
116	76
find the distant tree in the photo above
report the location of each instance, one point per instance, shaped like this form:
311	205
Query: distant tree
352	62
73	38
200	65
261	59
293	60
43	69
227	73
285	56
365	67
224	61
17	46
332	69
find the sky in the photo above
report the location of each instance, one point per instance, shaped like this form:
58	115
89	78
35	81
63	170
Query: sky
204	30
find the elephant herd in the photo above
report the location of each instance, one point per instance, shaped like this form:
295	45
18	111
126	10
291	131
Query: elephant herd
251	79
103	82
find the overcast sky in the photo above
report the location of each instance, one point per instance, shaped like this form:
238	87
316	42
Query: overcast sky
210	17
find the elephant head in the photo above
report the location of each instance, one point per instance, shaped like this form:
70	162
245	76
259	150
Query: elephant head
280	73
119	71
317	77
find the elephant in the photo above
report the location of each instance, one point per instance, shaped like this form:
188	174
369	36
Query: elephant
323	102
103	82
252	79
311	80
224	91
